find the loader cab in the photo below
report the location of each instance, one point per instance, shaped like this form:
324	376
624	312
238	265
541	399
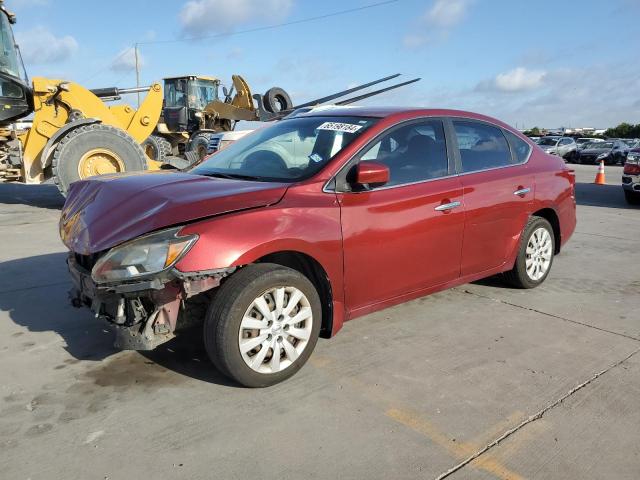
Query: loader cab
185	99
16	99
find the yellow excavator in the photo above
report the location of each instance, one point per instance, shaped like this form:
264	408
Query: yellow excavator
196	107
73	134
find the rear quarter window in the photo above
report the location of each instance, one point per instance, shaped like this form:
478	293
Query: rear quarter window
519	147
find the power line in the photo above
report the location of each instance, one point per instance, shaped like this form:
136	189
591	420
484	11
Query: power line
242	32
271	27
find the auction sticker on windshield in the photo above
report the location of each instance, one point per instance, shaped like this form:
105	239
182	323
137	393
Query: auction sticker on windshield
340	127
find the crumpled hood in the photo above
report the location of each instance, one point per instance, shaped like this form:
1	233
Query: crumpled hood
104	211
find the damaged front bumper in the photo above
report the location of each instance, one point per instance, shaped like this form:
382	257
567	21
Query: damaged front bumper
144	313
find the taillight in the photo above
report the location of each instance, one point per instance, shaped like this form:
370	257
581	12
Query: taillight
631	169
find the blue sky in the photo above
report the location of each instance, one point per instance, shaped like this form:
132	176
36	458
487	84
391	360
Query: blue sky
548	63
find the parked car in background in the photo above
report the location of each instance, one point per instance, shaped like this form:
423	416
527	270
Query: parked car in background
631	177
312	221
582	142
632	142
564	147
612	152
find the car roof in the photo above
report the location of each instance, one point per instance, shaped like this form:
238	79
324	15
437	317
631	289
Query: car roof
384	112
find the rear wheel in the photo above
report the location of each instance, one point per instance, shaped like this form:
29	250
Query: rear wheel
263	324
157	148
199	143
95	149
535	257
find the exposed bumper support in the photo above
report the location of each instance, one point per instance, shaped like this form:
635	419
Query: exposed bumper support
142	314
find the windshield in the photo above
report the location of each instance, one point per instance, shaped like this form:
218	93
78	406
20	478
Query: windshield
548	141
8	53
202	93
288	151
175	93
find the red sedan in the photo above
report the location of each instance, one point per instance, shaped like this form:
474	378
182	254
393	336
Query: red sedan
315	220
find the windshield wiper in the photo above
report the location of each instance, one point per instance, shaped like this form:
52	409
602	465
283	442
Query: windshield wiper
233	176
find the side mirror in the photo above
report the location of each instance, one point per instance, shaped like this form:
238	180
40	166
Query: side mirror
225	91
371	174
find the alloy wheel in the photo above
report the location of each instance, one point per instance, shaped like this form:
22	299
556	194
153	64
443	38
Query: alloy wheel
538	253
275	329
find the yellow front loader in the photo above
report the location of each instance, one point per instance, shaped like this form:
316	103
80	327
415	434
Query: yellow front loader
75	135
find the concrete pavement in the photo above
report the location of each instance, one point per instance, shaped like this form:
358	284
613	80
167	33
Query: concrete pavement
415	391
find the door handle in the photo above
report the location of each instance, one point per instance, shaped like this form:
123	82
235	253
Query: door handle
522	192
447	206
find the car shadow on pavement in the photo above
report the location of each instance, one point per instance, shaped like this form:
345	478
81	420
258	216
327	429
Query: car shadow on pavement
33	293
185	354
42	196
610	196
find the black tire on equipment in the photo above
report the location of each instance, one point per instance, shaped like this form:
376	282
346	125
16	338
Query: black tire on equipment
199	143
76	143
632	198
276	99
222	323
157	148
518	277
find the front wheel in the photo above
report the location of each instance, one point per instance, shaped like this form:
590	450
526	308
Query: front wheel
95	149
199	143
535	256
263	324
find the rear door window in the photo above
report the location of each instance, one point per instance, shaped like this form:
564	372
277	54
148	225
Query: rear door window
519	147
482	146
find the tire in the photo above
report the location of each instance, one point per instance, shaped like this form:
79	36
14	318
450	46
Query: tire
519	276
199	143
113	151
632	198
225	326
276	99
157	148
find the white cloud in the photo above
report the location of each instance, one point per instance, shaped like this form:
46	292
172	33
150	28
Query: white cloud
447	13
414	40
125	61
435	24
199	17
39	45
519	79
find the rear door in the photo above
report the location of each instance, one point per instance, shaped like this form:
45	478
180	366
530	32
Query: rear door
406	235
498	192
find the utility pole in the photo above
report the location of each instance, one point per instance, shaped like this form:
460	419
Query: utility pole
137	72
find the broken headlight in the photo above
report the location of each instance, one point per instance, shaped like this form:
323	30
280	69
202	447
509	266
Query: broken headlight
143	256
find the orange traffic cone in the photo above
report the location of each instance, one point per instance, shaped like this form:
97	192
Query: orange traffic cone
600	175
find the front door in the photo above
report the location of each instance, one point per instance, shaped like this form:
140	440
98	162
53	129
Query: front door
406	235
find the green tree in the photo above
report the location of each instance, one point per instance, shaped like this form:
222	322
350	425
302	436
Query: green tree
534	132
624	130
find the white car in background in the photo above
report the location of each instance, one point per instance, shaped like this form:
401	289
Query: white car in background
564	147
222	140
